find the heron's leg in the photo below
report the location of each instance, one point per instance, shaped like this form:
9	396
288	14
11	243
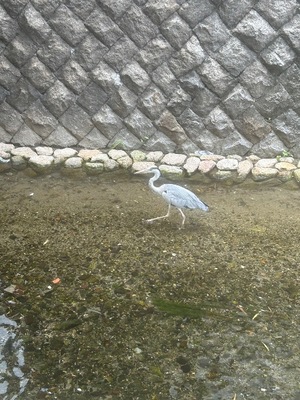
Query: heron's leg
183	216
164	216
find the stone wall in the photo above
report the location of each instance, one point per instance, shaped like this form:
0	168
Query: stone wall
221	76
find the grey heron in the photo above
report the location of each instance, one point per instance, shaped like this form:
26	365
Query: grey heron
174	195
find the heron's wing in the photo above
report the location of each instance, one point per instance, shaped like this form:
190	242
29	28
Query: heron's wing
180	197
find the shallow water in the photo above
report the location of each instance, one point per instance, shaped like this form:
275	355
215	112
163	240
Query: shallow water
109	307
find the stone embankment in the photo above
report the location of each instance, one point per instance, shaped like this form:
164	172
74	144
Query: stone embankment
201	166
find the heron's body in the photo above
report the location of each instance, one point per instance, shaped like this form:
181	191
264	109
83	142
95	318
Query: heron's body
174	195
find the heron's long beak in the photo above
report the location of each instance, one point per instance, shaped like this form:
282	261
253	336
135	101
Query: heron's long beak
143	171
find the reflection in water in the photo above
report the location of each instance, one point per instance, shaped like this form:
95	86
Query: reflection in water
12	379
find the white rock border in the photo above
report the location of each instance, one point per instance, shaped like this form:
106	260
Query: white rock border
202	167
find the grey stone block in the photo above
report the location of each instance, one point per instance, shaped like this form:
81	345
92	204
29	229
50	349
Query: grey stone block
236	144
135	77
77	121
74	76
46	8
22	95
274	102
138	26
232	11
152	102
81	8
92	98
291	81
292	32
125	140
3	94
178	101
5	137
276	11
212	33
58	99
237	101
14	8
176	31
34	24
257	79
140	125
106	77
270	146
286	126
188	58
60	137
54	52
68	25
215	77
123	101
194	11
159	142
103	27
191	83
9	74
94	140
168	124
219	123
159	10
10	119
38	74
156	52
26	137
278	56
108	122
234	56
252	125
8	26
119	54
89	52
114	8
204	102
20	50
255	31
165	79
40	120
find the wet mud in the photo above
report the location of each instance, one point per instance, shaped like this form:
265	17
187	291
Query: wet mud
110	307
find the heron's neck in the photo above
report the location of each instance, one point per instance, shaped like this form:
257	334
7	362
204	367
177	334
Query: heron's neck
152	180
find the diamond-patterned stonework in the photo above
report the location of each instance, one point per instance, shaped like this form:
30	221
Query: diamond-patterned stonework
185	75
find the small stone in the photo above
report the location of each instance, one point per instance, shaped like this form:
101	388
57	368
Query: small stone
262	173
25	152
94	168
87	154
63	154
191	165
212	157
224	175
171	171
4	155
253	158
7	147
285	175
244	168
235	157
116	154
282	165
154	156
297	174
206	166
266	162
101	157
19	162
125	162
40	163
73	162
44	151
138	155
227	164
140	165
110	165
286	159
174	159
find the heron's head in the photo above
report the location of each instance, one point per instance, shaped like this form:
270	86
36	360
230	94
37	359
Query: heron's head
148	170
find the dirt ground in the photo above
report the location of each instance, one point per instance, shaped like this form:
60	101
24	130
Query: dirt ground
109	307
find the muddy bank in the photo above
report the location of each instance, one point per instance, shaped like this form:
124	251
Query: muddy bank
109	307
